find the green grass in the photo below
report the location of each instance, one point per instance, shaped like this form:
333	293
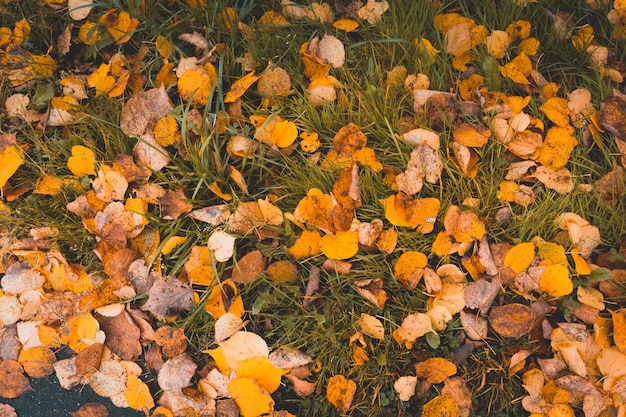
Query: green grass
275	311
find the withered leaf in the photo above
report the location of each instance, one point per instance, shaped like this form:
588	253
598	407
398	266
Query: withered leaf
480	294
88	360
122	335
13	383
176	373
144	108
512	320
168	296
372	290
90	410
249	267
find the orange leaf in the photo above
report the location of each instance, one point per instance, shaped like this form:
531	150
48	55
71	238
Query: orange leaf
519	257
347	25
137	394
340	392
240	87
284	133
555	281
435	370
37	361
196	83
342	245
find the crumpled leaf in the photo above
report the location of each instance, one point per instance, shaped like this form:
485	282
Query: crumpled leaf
372	290
582	234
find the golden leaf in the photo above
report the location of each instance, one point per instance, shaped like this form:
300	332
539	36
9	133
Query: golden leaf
342	245
555	281
409	268
196	83
82	161
252	400
519	257
240	86
413	327
10	160
260	370
619	329
340	392
371	326
435	370
137	394
307	244
441	406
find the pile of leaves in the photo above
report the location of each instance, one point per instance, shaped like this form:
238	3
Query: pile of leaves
213	212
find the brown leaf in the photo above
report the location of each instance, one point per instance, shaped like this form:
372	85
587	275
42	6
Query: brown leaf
435	370
90	410
249	267
122	335
168	296
7	411
611	186
173	204
10	345
88	360
13	383
512	320
154	358
172	340
613	116
274	82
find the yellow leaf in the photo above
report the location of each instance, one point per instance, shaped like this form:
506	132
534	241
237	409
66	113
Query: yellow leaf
506	191
260	370
426	49
220	360
341	245
340	392
196	83
284	133
347	25
89	33
307	245
409	268
172	243
590	297
10	160
555	281
37	361
138	395
582	267
310	142
518	69
82	162
557	147
551	253
441	406
314	209
519	257
164	47
442	245
435	370
557	110
240	87
119	25
252	400
619	329
529	46
497	43
165	131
